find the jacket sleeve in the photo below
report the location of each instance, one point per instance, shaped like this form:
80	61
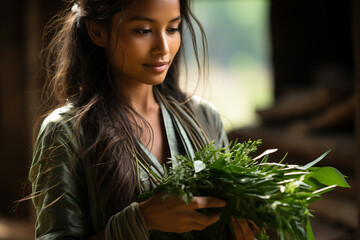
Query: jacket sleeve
58	185
60	191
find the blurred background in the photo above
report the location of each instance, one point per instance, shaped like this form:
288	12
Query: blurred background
282	71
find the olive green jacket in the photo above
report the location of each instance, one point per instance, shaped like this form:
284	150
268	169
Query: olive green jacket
63	188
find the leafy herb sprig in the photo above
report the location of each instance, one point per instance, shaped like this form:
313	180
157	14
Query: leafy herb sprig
272	195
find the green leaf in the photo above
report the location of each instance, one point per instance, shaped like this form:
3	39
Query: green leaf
315	184
219	164
309	232
329	176
317	160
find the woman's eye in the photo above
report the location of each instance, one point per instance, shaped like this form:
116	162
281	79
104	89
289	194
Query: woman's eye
143	31
173	30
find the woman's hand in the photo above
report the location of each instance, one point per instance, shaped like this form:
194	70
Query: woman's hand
244	229
170	214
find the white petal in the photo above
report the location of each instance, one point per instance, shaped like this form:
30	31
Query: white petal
199	166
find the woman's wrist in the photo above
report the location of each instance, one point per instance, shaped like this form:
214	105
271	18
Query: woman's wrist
143	208
126	224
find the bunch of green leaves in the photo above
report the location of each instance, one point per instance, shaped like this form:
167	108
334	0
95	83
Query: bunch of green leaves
272	195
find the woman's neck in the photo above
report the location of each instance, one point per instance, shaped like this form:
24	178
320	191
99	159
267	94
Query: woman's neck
141	98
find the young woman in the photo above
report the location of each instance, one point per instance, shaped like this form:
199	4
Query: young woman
117	113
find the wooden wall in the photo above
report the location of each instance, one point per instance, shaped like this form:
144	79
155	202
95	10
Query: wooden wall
22	22
356	35
14	141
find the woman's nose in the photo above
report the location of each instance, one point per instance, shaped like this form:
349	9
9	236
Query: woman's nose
161	45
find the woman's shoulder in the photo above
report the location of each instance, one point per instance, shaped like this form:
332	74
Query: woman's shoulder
209	119
58	124
59	117
204	108
55	142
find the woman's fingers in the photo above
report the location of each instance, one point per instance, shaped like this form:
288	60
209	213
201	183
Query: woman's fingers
247	231
242	229
237	230
204	219
170	214
207	202
254	227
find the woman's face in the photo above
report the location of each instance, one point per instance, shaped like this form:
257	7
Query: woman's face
142	47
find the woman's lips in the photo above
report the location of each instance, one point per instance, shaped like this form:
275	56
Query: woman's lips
158	66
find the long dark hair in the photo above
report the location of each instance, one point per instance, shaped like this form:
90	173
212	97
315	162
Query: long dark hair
78	73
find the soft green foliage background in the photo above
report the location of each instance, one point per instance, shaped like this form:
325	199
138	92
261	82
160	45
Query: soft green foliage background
240	71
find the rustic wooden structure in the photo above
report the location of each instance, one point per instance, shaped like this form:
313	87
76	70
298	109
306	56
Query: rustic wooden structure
21	28
356	34
313	49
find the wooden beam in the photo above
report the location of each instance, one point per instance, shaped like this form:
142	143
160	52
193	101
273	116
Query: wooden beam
356	37
14	148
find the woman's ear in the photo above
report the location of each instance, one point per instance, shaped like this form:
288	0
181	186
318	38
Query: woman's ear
97	33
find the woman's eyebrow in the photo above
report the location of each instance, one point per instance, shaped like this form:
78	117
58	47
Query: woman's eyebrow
142	18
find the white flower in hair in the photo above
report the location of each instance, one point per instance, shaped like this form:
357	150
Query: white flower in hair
76	8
